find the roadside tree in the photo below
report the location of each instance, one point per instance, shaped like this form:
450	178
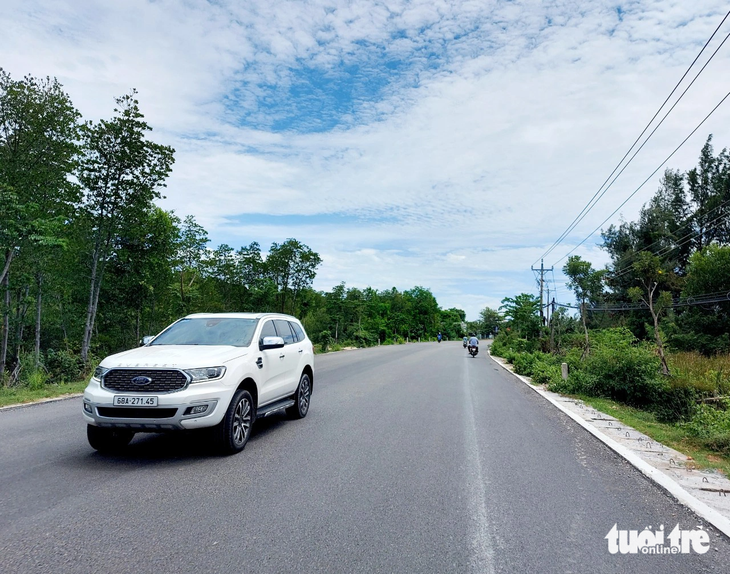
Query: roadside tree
121	173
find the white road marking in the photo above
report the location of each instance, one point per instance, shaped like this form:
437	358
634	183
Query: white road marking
481	560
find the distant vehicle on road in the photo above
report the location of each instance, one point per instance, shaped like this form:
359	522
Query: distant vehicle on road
473	346
217	371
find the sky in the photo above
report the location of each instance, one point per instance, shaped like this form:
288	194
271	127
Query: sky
435	143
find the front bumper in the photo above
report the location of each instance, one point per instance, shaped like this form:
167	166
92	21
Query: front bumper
173	410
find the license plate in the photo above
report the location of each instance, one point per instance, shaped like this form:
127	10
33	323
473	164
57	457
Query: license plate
122	401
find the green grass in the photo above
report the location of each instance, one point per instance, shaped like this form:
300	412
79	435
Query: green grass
673	436
709	375
22	394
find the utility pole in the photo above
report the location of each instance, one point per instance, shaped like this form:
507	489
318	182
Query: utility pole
552	327
542	272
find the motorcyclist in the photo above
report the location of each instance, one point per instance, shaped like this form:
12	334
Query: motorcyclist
466	341
439	337
473	342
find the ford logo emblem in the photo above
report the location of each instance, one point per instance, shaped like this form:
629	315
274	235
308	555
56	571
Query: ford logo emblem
141	381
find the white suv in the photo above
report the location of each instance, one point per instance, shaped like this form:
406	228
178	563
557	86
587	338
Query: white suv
209	370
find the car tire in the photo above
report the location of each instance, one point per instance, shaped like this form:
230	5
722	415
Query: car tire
302	398
108	440
233	432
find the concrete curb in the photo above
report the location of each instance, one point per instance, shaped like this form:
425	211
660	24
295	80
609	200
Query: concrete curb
41	401
683	497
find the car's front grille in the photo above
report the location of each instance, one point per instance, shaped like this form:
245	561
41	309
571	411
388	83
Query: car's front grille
134	380
132	413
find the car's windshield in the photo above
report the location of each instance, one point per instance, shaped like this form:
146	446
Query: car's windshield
209	331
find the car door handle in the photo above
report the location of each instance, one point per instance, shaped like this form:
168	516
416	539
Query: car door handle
260	363
282	356
301	350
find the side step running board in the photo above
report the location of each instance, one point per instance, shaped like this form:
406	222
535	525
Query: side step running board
274	407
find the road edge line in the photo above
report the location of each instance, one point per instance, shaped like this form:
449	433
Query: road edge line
41	401
657	476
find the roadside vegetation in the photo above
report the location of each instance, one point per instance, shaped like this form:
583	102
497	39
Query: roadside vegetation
648	337
89	263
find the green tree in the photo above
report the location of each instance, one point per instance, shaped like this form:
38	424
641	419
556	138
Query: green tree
587	284
137	295
649	269
523	314
121	172
706	327
190	261
38	131
489	320
292	266
709	190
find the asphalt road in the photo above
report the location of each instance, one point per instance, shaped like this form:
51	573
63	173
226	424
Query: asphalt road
414	458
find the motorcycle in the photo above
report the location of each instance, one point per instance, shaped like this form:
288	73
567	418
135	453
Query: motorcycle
473	351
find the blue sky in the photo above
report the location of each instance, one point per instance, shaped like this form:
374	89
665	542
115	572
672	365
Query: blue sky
436	143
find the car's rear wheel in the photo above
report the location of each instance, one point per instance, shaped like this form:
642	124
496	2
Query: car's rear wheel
108	440
304	394
233	432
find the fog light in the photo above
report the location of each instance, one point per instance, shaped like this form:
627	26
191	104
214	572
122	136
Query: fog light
87	408
196	410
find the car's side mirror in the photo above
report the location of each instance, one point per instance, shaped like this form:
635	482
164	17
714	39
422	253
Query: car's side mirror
145	340
271	343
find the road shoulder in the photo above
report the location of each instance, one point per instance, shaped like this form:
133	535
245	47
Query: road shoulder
703	492
41	401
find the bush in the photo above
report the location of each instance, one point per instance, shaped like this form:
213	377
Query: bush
64	366
509	341
528	363
524	363
720	443
546	374
623	368
578	383
709	421
675	404
364	338
498	348
325	340
35	379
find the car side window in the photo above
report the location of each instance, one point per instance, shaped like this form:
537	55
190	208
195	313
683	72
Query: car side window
298	331
267	331
284	331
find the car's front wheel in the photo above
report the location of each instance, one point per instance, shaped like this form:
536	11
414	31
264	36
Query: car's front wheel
108	440
233	432
304	394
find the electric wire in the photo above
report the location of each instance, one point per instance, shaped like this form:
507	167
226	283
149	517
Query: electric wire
579	219
646	180
591	203
626	267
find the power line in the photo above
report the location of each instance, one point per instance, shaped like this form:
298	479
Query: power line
592	202
678	242
573	226
688	301
646	180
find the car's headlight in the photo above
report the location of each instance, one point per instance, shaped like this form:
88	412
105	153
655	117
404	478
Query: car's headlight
99	372
205	374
